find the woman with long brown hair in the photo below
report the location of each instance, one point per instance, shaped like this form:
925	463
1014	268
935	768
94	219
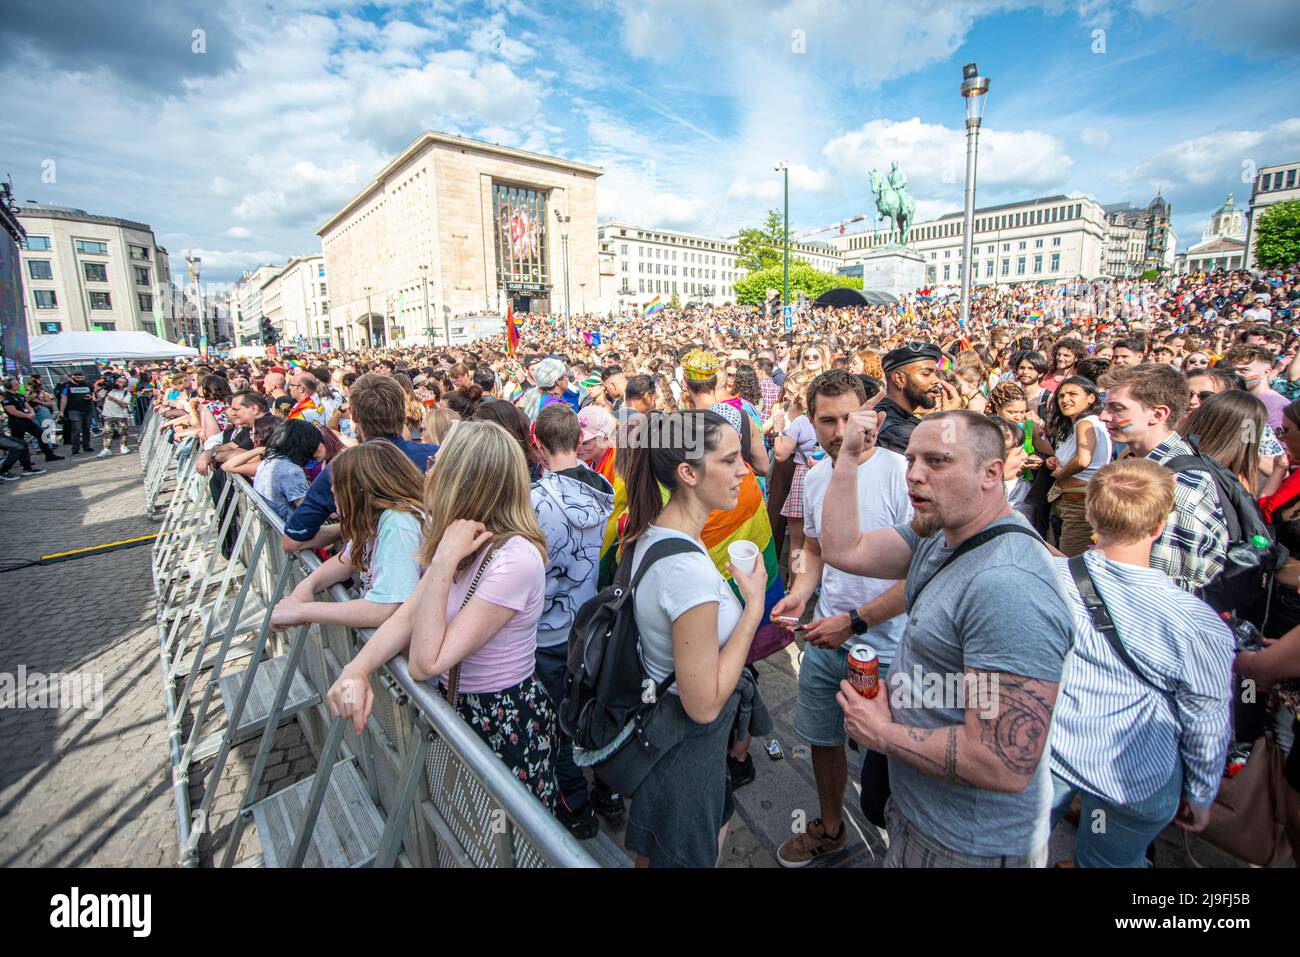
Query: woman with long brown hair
471	623
378	493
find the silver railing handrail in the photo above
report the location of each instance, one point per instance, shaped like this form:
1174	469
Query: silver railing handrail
531	819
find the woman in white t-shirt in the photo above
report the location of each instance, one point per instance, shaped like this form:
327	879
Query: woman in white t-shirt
691	625
378	493
1082	447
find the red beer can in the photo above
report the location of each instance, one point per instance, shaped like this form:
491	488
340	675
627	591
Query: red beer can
864	670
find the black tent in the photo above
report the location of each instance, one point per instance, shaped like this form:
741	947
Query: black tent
844	296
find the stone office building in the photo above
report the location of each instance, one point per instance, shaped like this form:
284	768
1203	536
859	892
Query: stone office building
453	226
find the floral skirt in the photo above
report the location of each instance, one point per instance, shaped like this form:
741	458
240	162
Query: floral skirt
519	725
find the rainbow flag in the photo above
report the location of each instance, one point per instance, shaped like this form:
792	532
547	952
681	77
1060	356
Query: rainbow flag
512	331
654	305
748	521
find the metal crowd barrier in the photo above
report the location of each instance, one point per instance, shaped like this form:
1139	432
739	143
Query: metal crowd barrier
417	788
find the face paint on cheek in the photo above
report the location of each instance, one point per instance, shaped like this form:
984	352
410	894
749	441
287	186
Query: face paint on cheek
1123	423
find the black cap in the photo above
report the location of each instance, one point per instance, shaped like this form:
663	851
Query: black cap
912	352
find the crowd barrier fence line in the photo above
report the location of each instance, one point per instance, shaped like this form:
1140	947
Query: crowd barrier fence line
417	788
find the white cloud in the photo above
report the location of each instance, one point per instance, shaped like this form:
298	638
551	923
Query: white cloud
1218	161
1096	138
934	157
238	232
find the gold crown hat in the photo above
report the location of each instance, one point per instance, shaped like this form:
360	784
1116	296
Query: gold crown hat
699	364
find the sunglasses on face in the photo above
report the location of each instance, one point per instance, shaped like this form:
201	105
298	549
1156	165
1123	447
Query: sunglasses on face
1204	396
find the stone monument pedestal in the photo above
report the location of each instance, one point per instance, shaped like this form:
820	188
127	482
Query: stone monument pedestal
896	270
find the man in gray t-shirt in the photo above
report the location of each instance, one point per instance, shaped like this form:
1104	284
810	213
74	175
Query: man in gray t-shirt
972	687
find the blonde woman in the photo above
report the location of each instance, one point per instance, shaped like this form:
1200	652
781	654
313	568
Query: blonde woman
437	425
480	529
378	492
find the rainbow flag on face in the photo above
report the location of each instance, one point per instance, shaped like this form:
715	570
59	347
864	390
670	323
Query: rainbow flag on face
748	521
654	305
512	331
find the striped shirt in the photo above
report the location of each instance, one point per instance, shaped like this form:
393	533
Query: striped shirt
1113	735
1194	546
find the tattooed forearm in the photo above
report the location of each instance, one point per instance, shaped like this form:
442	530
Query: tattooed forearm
930	764
950	755
1015	728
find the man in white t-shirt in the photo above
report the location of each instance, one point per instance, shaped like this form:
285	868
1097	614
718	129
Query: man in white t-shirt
851	610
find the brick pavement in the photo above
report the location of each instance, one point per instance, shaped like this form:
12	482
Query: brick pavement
78	789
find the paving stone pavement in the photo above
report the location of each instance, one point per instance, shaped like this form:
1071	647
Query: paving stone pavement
80	787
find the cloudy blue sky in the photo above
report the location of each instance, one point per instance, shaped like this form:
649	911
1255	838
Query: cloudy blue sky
240	152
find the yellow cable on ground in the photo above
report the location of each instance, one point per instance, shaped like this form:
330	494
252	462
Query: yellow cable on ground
97	548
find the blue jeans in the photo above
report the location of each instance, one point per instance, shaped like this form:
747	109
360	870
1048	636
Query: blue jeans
551	665
1112	835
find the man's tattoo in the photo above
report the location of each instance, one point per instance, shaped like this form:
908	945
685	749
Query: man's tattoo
928	765
950	755
1016	728
920	734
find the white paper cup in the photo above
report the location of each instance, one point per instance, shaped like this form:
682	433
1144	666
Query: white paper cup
743	555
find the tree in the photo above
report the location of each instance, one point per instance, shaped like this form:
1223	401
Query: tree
675	302
1277	236
803	278
762	246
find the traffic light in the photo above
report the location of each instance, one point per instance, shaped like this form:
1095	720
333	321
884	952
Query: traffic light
269	334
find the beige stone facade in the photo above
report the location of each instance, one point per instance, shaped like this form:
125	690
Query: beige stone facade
429	225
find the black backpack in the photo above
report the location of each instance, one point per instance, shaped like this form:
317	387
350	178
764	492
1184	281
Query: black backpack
1253	555
607	699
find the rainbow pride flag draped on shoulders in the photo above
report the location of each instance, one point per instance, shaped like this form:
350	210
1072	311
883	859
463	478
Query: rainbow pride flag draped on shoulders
748	521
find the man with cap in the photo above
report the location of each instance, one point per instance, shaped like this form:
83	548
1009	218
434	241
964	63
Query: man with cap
552	378
911	382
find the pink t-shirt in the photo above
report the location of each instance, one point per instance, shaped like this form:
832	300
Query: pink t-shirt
516	579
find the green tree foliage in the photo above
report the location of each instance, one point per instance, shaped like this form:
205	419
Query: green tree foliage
752	290
1277	236
762	246
674	302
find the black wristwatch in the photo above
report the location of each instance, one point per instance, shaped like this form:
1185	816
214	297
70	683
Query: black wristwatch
856	624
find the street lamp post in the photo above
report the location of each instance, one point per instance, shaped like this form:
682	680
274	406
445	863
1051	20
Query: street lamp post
784	167
370	321
973	88
582	290
428	323
564	243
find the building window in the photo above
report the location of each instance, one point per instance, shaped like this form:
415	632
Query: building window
137	252
100	300
1056	262
1290	178
640	285
320	269
988	269
38	244
1020	265
322	289
1006	247
1038	244
39	269
947	271
1056	240
92	247
519	237
45	299
95	272
51	328
947	254
145	300
624	265
104	326
1022	244
1038	264
141	275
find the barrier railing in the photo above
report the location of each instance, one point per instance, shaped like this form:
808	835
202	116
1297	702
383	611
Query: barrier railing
418	787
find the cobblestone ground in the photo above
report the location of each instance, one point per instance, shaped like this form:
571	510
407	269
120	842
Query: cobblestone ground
79	788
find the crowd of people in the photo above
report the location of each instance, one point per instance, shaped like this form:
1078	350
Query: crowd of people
1059	526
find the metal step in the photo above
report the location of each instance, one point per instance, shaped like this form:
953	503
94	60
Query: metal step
238	650
347	830
258	706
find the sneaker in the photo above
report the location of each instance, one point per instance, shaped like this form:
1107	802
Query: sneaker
6	477
581	823
126	450
608	804
105	453
33	471
52	457
76	451
802	849
741	772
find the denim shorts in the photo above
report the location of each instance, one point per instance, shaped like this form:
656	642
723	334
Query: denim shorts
817	715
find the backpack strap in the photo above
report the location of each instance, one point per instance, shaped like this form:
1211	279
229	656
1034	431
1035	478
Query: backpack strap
1105	624
662	549
1198	463
975	541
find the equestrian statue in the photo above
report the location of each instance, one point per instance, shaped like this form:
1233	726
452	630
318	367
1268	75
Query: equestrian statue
893	202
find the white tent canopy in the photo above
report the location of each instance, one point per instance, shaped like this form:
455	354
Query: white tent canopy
85	346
